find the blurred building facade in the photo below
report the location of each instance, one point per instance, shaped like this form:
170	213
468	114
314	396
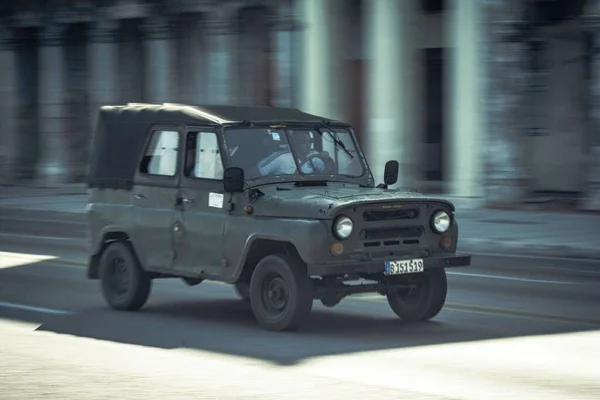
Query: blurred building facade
487	101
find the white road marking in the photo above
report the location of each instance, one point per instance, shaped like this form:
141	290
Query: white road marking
579	271
32	308
10	260
509	278
27	256
534	257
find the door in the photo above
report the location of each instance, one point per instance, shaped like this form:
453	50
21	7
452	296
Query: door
203	206
154	199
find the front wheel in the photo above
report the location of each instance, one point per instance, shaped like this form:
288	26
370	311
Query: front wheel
422	302
281	293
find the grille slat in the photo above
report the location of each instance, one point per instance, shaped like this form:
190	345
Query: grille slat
390	215
392	233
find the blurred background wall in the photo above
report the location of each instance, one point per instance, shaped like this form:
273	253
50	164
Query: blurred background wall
486	101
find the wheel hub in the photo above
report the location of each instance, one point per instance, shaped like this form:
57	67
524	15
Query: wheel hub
275	295
410	296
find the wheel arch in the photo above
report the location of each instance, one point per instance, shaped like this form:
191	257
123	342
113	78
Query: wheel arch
260	247
108	236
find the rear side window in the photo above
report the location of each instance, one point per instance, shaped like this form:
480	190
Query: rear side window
203	157
160	157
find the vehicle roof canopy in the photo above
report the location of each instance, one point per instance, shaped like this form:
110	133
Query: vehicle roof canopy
122	129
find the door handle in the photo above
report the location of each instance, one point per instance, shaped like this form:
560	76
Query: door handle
181	200
138	196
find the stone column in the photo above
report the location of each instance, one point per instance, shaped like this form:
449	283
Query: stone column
222	33
161	82
53	164
466	141
104	63
317	86
282	29
9	151
388	95
591	201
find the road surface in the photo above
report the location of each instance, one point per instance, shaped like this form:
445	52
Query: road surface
513	327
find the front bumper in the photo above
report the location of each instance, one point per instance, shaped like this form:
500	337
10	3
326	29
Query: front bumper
376	267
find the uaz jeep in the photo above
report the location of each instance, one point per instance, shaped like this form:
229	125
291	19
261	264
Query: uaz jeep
277	202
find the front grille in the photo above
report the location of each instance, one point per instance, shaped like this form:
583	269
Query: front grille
388	215
392	228
392	233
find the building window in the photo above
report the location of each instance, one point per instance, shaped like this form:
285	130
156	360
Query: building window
432	6
161	154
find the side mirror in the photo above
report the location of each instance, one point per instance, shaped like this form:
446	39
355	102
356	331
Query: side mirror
233	179
390	174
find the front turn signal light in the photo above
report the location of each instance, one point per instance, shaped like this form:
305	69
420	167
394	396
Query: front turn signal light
337	249
446	242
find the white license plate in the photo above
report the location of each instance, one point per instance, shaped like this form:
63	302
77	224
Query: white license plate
403	267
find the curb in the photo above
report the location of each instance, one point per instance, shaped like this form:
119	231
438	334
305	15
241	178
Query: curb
41	194
63	242
525	248
63	262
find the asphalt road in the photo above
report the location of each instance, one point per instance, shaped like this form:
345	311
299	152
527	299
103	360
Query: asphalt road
513	326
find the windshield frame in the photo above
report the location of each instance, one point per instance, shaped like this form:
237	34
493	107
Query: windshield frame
365	179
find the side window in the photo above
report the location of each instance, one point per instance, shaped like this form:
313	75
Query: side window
161	154
203	157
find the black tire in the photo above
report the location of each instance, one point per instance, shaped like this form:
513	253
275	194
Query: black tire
119	262
426	302
286	276
242	289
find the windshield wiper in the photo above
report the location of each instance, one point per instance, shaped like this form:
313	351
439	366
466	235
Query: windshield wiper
336	140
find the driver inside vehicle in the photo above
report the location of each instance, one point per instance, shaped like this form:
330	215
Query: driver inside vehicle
282	162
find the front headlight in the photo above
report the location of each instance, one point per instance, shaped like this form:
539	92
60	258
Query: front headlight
440	221
342	228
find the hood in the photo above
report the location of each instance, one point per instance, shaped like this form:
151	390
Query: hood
323	202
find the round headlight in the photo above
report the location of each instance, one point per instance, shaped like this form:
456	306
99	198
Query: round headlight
343	227
441	221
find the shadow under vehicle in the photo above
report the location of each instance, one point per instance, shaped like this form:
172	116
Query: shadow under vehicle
280	203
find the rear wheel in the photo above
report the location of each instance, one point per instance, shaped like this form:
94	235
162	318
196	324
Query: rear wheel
424	301
125	285
281	293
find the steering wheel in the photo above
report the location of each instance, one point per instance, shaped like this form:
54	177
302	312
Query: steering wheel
329	163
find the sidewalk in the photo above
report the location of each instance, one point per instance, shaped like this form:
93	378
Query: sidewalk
554	234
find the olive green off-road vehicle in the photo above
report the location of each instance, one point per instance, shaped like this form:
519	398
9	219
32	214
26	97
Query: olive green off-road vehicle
277	202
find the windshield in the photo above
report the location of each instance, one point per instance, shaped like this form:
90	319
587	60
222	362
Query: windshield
268	152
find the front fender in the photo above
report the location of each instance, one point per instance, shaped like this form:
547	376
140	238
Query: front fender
455	236
309	237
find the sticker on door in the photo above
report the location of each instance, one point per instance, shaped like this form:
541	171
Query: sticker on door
215	200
